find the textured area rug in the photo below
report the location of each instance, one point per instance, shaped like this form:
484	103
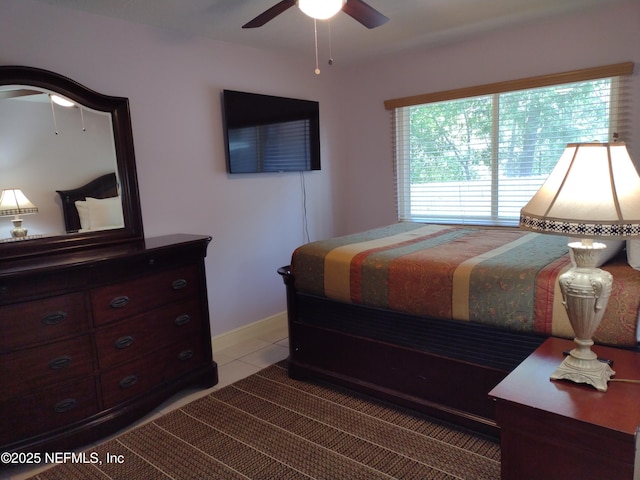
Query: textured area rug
268	426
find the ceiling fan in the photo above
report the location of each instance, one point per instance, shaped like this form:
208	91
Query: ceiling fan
17	93
357	9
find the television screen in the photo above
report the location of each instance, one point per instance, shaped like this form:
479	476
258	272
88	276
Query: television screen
264	133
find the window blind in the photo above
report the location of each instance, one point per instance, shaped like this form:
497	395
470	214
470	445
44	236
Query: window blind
273	147
479	159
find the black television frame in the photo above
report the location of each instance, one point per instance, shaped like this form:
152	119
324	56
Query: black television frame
245	109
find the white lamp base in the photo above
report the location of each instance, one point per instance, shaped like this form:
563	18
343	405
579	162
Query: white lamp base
18	230
585	294
582	366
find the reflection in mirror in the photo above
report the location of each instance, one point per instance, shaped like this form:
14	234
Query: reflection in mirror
75	164
48	147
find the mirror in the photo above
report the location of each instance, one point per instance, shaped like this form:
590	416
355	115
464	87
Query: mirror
75	164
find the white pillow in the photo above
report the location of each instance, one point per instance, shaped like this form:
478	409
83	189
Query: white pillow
633	253
105	212
613	248
83	214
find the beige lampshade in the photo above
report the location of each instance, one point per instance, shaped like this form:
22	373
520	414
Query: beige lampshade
593	191
14	202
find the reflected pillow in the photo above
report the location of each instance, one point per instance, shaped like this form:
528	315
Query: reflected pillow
613	248
105	212
83	214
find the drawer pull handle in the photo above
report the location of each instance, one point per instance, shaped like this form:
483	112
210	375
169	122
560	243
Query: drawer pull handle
182	320
123	342
119	302
4	289
54	318
128	381
60	362
179	284
65	405
185	355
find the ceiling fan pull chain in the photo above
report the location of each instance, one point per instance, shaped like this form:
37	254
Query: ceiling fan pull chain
53	111
330	62
82	118
315	31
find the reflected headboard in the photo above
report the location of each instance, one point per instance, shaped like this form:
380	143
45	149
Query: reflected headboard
104	186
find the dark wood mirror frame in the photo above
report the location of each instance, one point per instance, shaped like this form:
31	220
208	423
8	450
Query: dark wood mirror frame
118	107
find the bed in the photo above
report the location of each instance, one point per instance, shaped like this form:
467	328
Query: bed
92	206
432	317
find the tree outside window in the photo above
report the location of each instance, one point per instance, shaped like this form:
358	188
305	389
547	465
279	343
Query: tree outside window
479	160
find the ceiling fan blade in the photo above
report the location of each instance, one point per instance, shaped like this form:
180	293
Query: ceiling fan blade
364	13
270	14
18	92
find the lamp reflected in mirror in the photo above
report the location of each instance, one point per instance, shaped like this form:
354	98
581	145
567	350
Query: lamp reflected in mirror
14	202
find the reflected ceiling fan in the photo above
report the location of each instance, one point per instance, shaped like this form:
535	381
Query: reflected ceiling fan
17	93
323	9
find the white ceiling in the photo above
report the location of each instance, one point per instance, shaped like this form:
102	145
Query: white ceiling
413	23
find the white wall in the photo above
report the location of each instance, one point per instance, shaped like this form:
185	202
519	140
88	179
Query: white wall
600	37
173	84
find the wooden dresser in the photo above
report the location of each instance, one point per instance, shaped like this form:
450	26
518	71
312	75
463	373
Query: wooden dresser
92	340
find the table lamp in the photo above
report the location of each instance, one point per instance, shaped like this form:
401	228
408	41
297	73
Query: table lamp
593	193
14	202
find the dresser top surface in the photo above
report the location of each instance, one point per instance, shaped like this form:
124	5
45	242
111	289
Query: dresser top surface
88	256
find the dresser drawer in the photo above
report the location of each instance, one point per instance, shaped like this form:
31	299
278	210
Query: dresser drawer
48	409
31	369
129	298
144	374
30	287
137	336
28	323
185	356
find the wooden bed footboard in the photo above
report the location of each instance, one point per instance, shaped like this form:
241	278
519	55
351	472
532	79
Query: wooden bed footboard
443	368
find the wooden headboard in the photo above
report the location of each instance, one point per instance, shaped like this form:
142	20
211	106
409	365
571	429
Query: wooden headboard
104	186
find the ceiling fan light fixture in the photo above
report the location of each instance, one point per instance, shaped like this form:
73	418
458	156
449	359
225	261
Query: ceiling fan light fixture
63	102
320	9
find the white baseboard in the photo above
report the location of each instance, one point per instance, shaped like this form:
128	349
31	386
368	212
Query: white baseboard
262	327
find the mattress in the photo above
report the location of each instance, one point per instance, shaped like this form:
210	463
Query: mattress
506	278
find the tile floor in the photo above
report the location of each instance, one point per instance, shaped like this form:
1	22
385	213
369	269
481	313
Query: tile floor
234	363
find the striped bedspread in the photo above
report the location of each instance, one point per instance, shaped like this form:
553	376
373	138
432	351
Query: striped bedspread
501	277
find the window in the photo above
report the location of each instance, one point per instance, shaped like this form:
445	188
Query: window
478	155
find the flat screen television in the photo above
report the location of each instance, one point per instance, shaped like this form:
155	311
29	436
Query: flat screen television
264	133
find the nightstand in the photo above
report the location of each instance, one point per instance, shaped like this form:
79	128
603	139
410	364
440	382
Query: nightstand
555	429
